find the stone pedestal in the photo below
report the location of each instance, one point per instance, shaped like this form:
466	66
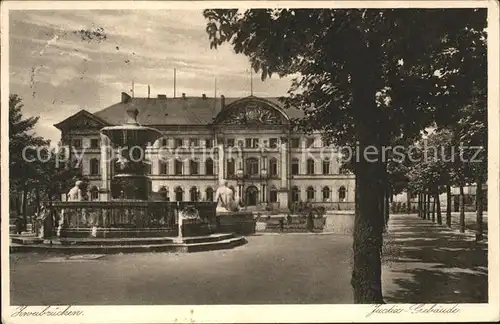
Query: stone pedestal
283	199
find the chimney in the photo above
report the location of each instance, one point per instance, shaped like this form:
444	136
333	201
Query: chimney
162	96
222	102
204	96
125	97
183	95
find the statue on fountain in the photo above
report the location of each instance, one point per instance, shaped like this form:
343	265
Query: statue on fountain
225	199
76	193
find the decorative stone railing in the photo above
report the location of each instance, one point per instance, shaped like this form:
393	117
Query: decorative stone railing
114	217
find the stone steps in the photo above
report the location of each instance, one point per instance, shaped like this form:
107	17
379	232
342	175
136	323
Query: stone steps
226	243
122	241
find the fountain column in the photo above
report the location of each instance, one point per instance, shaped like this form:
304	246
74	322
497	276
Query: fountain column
130	179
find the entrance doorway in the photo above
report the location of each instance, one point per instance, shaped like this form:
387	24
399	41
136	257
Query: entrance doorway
251	196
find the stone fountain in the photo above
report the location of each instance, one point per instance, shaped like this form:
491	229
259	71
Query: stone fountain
130	179
126	220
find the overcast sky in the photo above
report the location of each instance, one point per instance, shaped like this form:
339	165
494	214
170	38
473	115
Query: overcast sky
57	74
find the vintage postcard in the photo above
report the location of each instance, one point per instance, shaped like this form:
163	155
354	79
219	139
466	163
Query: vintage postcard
249	162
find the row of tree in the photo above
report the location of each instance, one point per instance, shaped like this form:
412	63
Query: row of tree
373	77
34	174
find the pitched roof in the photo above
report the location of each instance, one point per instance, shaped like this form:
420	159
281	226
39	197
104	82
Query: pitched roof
175	111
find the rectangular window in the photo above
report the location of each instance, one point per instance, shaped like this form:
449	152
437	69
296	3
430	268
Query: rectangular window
240	143
273	142
310	142
295	168
255	142
326	167
193	142
209	143
164	142
163	168
77	143
230	142
193	167
178	142
273	196
273	167
248	142
178	167
94	143
295	143
230	168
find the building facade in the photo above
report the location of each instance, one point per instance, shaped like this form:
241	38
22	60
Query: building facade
247	141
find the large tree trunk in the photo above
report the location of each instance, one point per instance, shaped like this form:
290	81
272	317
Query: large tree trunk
479	209
24	205
438	209
419	213
433	209
462	210
424	206
448	206
370	179
428	208
408	202
386	207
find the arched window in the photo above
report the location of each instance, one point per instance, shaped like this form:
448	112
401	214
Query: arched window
252	165
178	167
163	167
94	193
179	194
163	191
326	166
326	193
193	194
295	166
94	166
193	167
230	167
295	194
209	166
273	194
273	167
342	193
209	194
310	166
310	193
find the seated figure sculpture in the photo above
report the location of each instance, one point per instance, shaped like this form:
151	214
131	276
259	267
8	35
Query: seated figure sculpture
74	194
225	198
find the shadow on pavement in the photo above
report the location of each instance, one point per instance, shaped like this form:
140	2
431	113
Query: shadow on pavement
427	263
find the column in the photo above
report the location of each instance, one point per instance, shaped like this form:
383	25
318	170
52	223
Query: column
105	172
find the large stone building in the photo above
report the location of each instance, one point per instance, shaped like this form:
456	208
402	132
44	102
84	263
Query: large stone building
246	141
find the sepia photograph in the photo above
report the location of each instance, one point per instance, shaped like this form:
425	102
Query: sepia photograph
309	162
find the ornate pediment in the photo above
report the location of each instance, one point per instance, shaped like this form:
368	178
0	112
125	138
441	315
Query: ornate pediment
83	120
251	113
